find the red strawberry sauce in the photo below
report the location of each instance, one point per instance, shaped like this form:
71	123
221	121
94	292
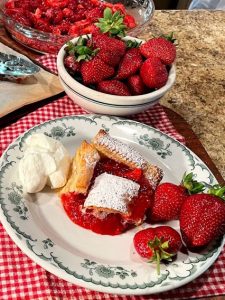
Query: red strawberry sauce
63	18
113	223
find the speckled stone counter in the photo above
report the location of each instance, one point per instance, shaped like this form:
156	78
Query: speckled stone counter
199	93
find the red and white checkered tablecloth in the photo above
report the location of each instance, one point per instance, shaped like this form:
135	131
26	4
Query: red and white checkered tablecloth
21	278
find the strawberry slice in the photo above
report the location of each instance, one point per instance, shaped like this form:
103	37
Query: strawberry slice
134	175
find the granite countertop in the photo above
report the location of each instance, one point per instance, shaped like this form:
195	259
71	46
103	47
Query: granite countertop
199	93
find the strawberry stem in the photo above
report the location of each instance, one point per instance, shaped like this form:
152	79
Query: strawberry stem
81	50
218	191
158	247
192	186
112	23
169	37
132	44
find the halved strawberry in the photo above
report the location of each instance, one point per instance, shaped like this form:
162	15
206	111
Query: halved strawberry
94	14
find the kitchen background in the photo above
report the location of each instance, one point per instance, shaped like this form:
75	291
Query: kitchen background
172	4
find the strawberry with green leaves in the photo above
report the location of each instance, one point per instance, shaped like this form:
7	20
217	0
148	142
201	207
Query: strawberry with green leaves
169	198
112	23
110	49
157	244
162	48
71	64
202	218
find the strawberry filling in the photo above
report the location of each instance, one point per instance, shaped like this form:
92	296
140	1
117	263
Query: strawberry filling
110	223
61	17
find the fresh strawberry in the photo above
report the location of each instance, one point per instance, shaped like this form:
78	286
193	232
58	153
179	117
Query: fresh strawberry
169	198
153	73
95	71
130	63
161	48
109	57
113	87
103	41
111	50
156	244
202	218
136	85
72	65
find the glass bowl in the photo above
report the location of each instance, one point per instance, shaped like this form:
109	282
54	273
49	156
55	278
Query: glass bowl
45	42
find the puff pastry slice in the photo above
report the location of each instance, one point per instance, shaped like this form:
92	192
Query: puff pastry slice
112	194
82	169
123	153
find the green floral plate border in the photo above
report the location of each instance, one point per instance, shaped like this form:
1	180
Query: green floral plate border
39	226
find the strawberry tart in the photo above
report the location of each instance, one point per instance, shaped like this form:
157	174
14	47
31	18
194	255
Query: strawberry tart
110	186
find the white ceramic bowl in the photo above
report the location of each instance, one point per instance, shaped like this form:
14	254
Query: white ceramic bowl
101	103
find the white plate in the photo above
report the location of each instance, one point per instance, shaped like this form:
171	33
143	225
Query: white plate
40	227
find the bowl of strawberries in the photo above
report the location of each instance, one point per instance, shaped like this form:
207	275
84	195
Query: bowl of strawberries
45	26
108	72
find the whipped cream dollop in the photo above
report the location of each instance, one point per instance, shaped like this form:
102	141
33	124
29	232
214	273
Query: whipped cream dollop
45	162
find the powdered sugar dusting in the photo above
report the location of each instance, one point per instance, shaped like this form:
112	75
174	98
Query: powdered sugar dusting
127	152
91	159
154	175
112	192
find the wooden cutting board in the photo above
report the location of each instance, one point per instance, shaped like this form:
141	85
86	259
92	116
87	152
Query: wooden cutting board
38	87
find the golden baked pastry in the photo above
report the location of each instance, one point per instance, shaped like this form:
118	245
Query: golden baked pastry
112	194
82	169
123	153
107	190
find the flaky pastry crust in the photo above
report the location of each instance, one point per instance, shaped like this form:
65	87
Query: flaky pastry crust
82	169
123	153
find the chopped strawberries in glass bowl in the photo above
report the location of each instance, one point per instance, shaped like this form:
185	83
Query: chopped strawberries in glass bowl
45	25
